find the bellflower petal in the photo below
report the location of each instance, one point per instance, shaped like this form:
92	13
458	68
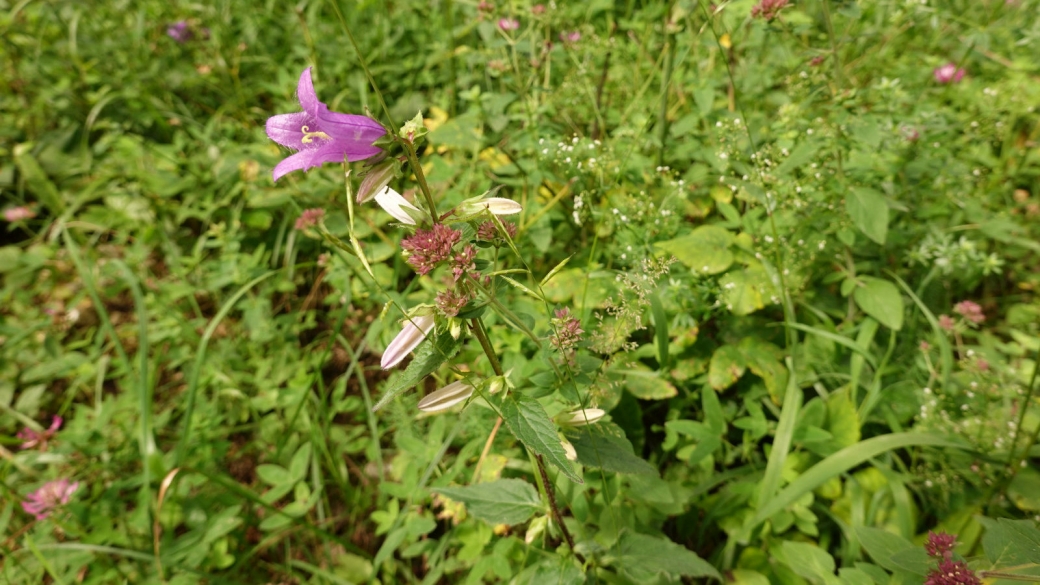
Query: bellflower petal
393	203
412	334
446	397
321	136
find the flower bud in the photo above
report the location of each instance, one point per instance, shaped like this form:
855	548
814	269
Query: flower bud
496	205
446	397
376	180
569	451
578	418
397	206
412	334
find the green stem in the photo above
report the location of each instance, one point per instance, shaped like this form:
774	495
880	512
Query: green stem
478	330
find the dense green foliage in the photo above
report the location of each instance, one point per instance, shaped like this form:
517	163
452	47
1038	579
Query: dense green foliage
802	253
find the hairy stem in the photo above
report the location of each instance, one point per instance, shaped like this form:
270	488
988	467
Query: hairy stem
551	496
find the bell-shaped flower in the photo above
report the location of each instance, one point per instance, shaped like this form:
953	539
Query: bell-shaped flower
320	135
397	206
446	397
413	333
579	417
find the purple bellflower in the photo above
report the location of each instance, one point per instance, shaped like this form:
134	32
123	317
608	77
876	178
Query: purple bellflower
179	31
320	135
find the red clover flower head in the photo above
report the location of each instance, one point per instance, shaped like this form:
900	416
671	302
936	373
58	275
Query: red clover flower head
50	495
570	37
970	310
948	73
940	544
309	218
567	330
952	573
946	323
14	214
31	438
430	247
508	24
538	9
768	9
450	302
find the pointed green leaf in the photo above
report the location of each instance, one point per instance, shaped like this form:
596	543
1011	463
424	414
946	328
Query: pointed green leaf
529	423
642	557
506	501
604	446
881	300
869	212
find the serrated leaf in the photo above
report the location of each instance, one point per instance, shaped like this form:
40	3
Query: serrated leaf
705	250
1024	490
881	300
642	557
428	357
1010	543
506	501
529	423
604	446
869	212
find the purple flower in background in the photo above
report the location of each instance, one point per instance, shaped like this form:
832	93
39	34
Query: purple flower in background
768	9
320	135
940	544
309	218
31	438
948	73
179	31
51	495
970	310
508	24
570	37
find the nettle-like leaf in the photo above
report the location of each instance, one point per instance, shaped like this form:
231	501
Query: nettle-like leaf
705	250
604	446
642	557
869	212
428	357
1011	543
528	421
506	501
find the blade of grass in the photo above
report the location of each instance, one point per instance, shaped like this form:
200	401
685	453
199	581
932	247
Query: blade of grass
144	387
841	462
839	339
200	357
945	349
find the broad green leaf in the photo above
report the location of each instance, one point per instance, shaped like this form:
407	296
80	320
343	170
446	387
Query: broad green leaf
810	561
604	445
869	212
877	574
642	557
705	250
855	577
1010	543
274	474
1024	490
765	361
298	465
506	501
713	414
556	570
529	423
37	180
882	545
881	300
726	367
747	577
747	290
914	560
648	384
428	357
802	154
842	420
